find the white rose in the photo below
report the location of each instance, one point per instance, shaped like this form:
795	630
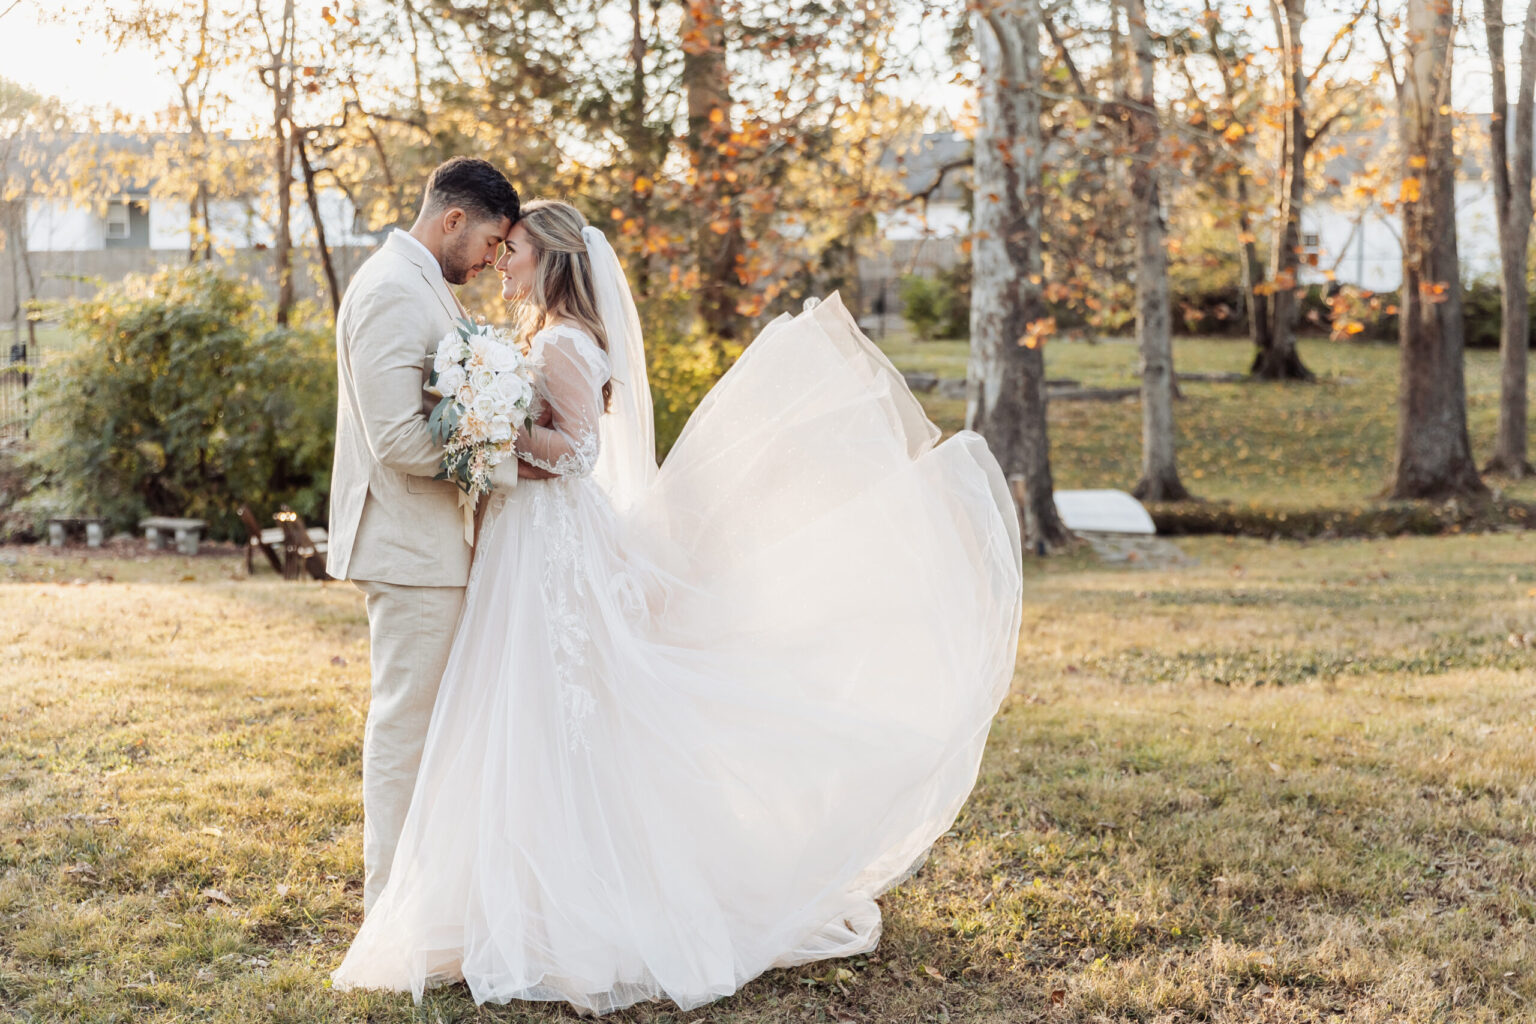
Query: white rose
501	430
518	392
445	352
503	358
449	381
506	387
485	405
482	380
465	395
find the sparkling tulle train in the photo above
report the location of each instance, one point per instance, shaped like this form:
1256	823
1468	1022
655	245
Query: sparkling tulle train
681	744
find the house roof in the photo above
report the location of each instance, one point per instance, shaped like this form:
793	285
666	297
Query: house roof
1362	148
98	165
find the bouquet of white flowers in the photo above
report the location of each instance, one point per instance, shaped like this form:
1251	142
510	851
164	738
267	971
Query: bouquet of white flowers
486	387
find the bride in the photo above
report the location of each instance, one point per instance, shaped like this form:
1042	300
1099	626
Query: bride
696	720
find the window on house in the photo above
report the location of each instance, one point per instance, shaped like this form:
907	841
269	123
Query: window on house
1310	240
117	220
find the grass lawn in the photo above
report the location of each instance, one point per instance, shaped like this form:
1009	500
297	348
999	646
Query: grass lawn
1278	445
1289	782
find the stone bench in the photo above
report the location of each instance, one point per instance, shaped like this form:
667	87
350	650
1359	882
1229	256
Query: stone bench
186	531
59	528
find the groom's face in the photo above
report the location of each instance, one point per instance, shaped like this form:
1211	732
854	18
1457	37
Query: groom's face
470	245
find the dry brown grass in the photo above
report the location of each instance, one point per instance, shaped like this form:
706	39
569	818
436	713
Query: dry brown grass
1289	783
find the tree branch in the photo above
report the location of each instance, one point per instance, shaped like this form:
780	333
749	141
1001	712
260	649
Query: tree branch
943	172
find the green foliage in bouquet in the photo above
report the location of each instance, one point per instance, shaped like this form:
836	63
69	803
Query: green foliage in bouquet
183	398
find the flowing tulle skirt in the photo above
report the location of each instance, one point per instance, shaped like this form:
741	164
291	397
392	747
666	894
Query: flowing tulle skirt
682	744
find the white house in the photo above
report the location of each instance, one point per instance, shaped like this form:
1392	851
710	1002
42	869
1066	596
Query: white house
138	220
118	219
1362	243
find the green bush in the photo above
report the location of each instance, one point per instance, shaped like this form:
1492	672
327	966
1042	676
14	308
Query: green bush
1361	315
682	366
182	398
1207	291
1358	314
1480	306
939	306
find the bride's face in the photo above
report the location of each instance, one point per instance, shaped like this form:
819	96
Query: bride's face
517	263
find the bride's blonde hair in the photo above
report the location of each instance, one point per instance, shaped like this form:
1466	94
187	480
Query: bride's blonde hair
562	276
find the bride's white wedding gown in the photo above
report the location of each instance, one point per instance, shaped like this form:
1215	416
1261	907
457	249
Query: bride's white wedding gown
688	740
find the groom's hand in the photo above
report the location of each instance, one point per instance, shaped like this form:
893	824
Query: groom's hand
527	472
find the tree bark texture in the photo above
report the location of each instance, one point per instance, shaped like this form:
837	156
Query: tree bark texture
1006	400
282	111
1511	173
1254	297
1253	274
640	146
1434	456
1278	360
322	249
719	242
1154	317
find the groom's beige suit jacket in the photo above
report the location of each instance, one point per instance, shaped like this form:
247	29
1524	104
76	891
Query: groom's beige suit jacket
390	521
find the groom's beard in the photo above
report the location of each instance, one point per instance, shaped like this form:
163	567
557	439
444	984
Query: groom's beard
457	264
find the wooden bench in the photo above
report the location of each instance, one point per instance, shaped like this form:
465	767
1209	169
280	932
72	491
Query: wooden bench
59	528
186	531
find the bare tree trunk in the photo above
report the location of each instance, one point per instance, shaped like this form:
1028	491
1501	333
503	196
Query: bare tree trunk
1511	175
1254	298
1253	273
313	199
640	147
1006	403
1278	359
719	238
281	84
1154	318
1434	456
194	95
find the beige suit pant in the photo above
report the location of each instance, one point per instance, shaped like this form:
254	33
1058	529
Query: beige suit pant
410	631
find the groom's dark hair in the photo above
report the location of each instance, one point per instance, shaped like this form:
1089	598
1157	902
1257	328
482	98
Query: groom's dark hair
474	186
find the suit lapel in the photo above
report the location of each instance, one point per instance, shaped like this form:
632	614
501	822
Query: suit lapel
431	273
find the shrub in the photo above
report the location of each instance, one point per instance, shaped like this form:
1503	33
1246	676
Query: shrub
938	306
1207	292
1359	314
1373	316
183	399
1480	306
682	366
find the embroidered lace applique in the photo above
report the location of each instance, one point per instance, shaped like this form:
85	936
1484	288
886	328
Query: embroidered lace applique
578	462
564	580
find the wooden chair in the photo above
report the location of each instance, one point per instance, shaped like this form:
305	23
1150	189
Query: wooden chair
262	540
302	549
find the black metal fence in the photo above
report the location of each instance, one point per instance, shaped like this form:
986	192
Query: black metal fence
15	385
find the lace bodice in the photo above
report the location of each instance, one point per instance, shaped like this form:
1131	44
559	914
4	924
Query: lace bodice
570	371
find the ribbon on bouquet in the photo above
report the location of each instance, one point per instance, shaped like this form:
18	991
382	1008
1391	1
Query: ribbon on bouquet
467	503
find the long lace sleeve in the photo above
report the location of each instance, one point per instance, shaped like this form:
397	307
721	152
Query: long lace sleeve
571	381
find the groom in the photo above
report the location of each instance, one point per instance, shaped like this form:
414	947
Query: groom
395	531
